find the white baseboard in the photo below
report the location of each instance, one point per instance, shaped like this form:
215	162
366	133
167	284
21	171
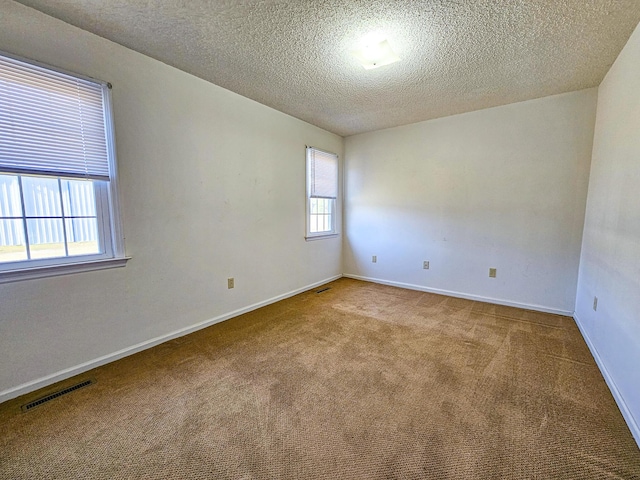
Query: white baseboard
468	296
617	396
125	352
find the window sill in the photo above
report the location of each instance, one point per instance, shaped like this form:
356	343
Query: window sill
320	237
62	269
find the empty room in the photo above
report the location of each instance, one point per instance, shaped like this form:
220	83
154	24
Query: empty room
264	239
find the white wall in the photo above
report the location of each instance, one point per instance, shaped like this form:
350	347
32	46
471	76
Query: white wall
212	186
503	187
610	262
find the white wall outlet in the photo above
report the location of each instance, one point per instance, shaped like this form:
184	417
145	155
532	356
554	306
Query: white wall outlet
492	272
425	264
374	259
595	303
230	283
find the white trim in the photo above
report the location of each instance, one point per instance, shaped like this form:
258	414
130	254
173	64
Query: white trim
617	396
322	151
320	237
8	276
115	219
125	352
468	296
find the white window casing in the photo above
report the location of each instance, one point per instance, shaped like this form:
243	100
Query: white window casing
322	193
56	129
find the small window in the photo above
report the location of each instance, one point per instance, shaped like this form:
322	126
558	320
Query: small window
322	192
57	172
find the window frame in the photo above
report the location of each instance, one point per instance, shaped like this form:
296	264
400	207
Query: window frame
107	205
309	235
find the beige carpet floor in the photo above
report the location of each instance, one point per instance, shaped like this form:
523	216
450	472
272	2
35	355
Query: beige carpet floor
362	381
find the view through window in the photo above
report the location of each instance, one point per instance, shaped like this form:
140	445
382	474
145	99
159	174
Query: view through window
57	169
322	192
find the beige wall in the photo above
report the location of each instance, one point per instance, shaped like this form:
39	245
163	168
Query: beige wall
610	262
503	187
212	186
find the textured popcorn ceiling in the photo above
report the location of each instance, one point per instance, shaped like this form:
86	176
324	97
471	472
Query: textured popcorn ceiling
457	55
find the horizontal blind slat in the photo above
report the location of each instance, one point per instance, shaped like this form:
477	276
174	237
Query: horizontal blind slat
323	174
19	138
51	122
55	173
38	74
21	107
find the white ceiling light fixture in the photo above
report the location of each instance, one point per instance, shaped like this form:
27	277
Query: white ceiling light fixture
374	51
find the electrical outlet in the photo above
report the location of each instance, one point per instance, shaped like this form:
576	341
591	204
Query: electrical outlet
374	259
230	283
595	303
425	264
492	272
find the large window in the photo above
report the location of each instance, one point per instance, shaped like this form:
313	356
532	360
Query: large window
322	192
58	210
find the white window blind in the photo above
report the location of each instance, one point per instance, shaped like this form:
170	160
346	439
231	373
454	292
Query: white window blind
323	174
51	123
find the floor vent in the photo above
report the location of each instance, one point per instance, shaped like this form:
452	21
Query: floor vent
324	290
28	406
